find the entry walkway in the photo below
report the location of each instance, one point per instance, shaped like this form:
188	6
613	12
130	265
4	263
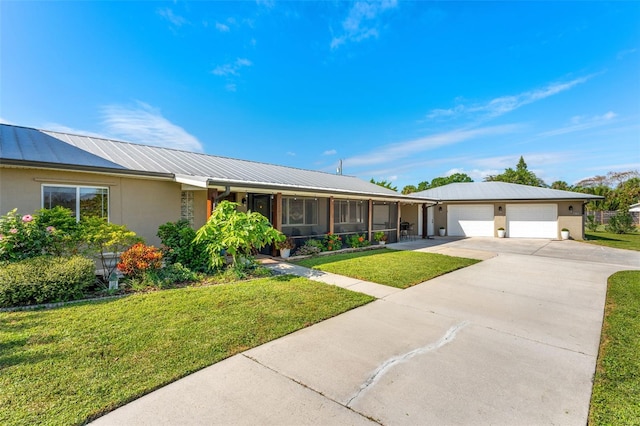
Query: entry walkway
511	340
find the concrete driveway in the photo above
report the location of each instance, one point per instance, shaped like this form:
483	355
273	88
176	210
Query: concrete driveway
510	340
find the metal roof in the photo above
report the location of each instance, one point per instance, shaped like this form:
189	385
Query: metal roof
31	145
485	191
42	146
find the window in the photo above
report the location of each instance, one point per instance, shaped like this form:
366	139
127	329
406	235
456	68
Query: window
347	211
82	200
186	206
299	211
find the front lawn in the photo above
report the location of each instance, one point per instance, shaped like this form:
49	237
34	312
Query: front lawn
616	389
623	241
396	268
68	365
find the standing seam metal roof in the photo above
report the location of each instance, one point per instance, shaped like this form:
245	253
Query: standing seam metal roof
32	145
483	191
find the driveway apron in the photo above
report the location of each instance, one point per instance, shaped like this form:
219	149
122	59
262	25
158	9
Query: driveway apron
510	340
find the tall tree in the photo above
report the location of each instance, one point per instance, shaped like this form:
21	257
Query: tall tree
521	175
562	185
454	178
384	184
409	189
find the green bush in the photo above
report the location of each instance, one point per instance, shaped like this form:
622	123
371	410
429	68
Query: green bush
45	279
237	233
103	239
166	277
178	246
357	241
621	223
591	223
310	248
46	232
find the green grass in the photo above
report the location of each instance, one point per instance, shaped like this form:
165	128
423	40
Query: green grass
396	268
71	364
616	390
622	241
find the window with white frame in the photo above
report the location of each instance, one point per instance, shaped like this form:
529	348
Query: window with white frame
349	211
299	211
81	200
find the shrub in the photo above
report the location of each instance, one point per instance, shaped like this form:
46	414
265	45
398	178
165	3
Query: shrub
333	242
591	223
166	277
47	231
239	234
138	259
621	223
287	243
104	239
178	246
45	279
380	236
357	241
310	248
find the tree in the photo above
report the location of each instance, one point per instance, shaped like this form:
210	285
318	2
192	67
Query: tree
439	181
238	233
384	184
561	185
521	175
620	189
409	189
454	178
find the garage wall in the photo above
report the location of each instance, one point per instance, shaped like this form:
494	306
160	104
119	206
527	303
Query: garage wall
571	220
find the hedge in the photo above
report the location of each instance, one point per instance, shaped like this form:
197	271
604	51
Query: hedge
45	280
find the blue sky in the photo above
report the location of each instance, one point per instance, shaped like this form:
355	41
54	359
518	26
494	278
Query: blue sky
401	91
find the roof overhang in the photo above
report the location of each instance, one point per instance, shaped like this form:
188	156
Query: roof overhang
78	168
293	190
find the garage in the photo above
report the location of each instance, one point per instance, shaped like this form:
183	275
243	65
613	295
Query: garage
532	220
472	220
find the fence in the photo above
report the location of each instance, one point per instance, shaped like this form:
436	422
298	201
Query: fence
602	217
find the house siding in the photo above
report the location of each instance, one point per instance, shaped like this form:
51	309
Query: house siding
142	204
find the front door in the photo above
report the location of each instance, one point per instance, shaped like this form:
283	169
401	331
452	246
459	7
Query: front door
262	204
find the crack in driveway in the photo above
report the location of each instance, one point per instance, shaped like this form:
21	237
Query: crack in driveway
448	337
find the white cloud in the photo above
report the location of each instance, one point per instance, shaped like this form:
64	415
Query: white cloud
624	53
411	148
174	19
222	27
231	87
145	124
232	68
55	127
330	152
504	104
291	154
579	123
5	121
362	22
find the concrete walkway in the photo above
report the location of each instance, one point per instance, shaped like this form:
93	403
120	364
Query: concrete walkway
511	340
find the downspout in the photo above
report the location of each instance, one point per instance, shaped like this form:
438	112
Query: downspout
227	191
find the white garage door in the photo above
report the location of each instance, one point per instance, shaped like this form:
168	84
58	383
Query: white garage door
532	220
474	220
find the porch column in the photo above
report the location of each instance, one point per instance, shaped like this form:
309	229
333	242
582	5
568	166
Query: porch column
277	211
398	223
425	220
331	214
370	219
212	193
